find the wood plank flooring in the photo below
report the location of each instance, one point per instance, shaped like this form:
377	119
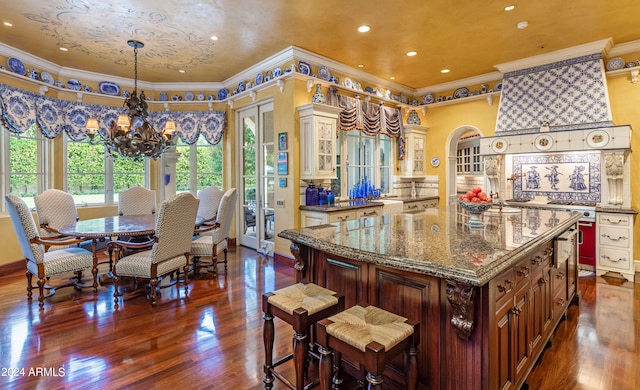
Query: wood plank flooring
212	339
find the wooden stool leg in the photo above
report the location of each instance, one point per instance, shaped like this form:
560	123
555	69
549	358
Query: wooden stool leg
326	368
299	357
268	338
375	381
411	368
337	366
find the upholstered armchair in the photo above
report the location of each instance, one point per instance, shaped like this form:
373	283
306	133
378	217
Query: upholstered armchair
45	264
210	198
170	247
54	208
137	200
214	242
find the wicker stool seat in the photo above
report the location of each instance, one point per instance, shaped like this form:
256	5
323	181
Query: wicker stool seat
301	306
370	337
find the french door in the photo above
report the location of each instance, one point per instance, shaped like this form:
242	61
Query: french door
257	181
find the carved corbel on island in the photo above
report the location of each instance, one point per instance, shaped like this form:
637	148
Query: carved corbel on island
462	299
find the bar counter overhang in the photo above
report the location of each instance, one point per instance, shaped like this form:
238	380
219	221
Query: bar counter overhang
456	280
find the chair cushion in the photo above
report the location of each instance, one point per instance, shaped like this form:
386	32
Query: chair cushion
203	245
310	297
139	265
63	260
358	326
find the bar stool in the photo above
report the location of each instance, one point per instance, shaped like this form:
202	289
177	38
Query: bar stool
300	305
371	337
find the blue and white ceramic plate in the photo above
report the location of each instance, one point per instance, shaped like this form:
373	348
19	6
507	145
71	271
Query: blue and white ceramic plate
499	87
240	86
200	96
461	93
277	72
615	63
324	73
428	98
16	66
222	94
259	78
348	83
109	88
304	68
630	64
369	89
163	97
188	96
74	85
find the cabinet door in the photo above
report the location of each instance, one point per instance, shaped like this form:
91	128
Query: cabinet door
520	319
504	348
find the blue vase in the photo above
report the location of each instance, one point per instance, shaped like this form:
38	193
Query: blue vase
322	196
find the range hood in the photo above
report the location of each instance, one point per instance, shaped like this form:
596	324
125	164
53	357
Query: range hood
556	107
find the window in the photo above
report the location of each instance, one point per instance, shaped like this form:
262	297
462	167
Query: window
468	159
27	157
94	177
363	158
199	166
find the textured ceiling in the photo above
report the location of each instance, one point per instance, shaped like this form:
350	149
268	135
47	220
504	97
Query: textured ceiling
468	36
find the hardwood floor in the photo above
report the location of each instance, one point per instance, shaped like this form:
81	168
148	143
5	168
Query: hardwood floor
212	339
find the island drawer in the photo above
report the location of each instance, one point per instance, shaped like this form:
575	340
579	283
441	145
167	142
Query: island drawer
503	286
614	219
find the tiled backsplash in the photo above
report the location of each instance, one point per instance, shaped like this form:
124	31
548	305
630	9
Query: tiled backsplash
561	176
568	94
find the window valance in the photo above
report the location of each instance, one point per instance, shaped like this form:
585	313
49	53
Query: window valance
20	109
370	118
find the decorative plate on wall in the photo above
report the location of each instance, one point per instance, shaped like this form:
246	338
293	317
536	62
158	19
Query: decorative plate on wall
435	162
499	145
598	139
543	142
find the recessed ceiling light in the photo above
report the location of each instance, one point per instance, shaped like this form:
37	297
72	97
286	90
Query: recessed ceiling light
411	53
509	8
392	78
522	25
445	71
64	49
181	70
364	28
360	65
214	38
8	24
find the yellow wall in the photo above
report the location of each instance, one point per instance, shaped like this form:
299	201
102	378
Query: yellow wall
441	121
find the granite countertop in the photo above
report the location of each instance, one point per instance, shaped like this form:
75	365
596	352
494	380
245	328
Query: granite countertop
360	204
438	242
616	210
342	206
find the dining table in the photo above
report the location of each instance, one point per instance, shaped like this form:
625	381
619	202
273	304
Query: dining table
121	226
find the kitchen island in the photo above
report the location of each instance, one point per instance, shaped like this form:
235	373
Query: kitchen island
487	298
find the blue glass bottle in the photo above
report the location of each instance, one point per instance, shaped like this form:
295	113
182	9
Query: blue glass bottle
311	195
322	196
331	198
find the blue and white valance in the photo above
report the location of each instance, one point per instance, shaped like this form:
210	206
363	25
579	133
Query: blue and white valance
20	109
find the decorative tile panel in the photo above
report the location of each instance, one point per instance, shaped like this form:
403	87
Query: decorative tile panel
568	95
561	177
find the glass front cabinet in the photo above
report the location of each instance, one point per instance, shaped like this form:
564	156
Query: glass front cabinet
414	164
318	141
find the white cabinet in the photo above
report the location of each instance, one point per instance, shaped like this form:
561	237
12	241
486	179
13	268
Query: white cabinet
315	218
420	205
414	164
318	142
614	244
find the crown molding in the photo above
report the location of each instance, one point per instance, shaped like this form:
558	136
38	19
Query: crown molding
452	85
29	58
600	46
624	48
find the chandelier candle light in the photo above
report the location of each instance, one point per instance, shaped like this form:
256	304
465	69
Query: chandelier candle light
132	135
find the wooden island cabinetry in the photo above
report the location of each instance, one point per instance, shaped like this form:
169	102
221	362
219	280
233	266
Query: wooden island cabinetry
487	299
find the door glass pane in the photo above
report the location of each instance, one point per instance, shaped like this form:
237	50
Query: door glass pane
268	181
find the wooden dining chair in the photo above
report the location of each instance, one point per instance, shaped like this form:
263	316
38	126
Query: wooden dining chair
213	240
169	251
45	264
210	198
136	200
56	208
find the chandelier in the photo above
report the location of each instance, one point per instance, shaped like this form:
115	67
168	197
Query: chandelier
131	135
